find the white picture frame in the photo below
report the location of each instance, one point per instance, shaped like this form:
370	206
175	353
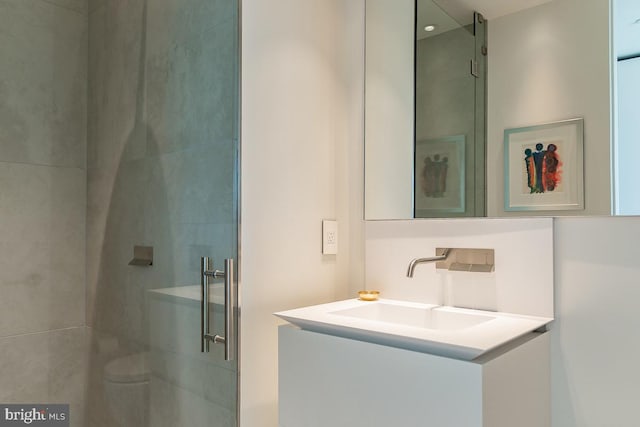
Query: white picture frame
544	167
439	176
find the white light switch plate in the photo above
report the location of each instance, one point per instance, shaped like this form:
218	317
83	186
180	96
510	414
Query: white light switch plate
329	237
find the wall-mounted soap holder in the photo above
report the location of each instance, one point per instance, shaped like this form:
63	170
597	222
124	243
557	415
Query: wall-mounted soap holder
142	256
465	259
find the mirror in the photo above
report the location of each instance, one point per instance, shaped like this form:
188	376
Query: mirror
548	61
450	104
627	69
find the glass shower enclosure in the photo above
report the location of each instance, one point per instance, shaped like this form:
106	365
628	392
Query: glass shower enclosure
162	218
119	209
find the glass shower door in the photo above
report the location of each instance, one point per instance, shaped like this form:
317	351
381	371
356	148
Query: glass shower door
163	167
450	86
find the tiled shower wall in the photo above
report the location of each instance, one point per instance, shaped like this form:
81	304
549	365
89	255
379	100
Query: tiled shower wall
43	46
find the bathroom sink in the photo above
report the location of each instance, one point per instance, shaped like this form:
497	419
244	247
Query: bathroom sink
447	331
428	318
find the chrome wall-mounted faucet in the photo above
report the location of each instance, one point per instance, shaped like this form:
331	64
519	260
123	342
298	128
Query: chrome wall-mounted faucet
416	261
459	259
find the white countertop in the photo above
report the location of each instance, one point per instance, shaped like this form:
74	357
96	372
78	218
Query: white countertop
470	334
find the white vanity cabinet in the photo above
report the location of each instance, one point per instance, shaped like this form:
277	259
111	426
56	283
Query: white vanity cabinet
329	381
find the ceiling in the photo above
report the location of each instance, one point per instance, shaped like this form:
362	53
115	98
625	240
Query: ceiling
430	13
450	14
462	10
626	17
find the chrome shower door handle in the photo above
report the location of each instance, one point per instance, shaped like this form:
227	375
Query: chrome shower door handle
205	263
229	304
229	321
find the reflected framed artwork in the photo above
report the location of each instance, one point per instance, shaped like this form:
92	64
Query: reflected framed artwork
544	167
439	176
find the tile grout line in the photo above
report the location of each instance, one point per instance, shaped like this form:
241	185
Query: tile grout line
9	162
42	332
67	8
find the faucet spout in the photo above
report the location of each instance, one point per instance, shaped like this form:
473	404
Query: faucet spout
416	261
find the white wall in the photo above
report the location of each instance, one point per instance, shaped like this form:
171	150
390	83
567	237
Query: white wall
302	129
546	64
521	283
595	347
594	350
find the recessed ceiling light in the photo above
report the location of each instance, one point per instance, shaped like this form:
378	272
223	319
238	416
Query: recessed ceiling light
429	28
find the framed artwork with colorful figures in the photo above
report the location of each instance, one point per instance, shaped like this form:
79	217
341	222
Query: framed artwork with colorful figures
544	167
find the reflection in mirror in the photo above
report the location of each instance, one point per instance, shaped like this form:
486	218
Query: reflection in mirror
548	61
450	82
433	166
627	54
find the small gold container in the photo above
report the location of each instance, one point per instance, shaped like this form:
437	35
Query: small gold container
368	295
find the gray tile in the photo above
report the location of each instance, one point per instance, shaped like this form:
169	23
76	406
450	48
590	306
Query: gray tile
42	255
115	125
46	367
93	5
164	409
99	187
67	365
191	241
203	376
196	185
68	369
174	406
24	368
220	386
42	83
77	415
80	6
180	370
116	223
184	22
102	349
191	96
